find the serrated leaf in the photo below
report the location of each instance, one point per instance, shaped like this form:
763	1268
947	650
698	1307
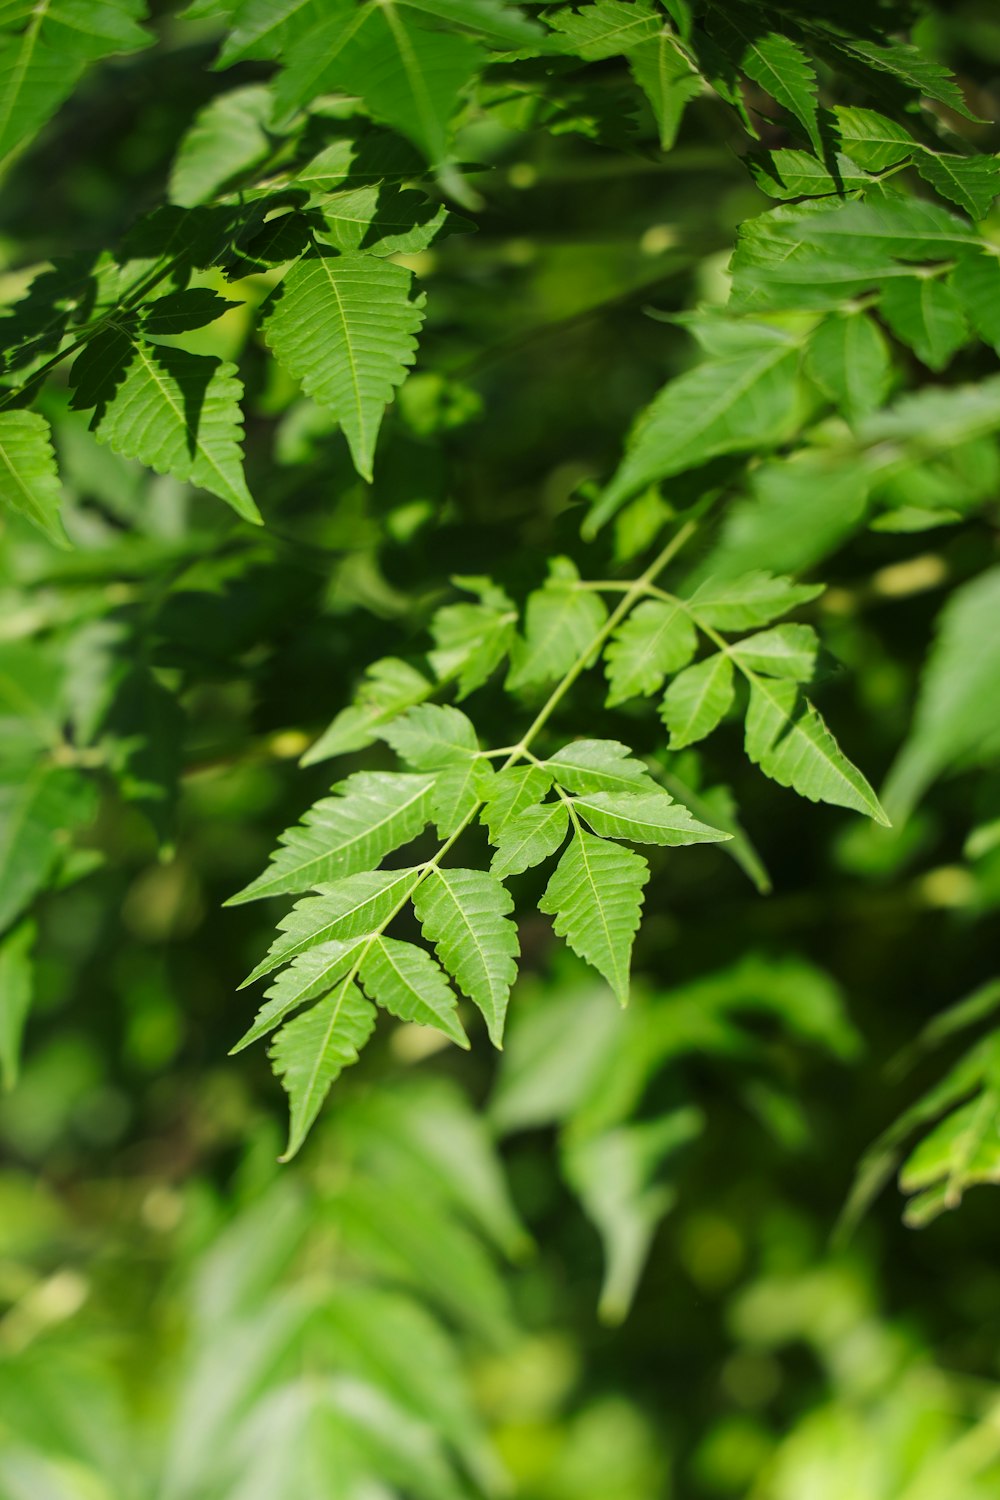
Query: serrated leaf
29	480
788	739
432	735
925	313
16	983
849	360
227	138
698	700
310	975
605	28
781	67
349	908
746	401
344	326
311	1052
464	914
529	838
374	813
383	220
653	641
390	687
790	173
748	601
668	81
872	140
911	66
178	312
645	818
410	77
40	805
458	791
595	896
957	720
972	182
975	280
406	981
176	412
561	621
598	766
510	792
784	651
470	641
264	28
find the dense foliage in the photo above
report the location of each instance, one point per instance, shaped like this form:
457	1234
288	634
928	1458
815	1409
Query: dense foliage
545	460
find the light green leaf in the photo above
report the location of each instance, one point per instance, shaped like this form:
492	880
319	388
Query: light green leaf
510	793
458	791
29	480
464	914
561	621
782	69
605	28
784	651
349	908
849	360
872	140
227	138
746	401
668	81
754	599
373	813
176	412
697	700
925	313
16	982
432	735
407	982
957	720
311	1052
655	640
310	975
382	220
595	896
471	640
975	281
390	687
646	818
598	766
529	838
264	28
790	173
344	326
788	739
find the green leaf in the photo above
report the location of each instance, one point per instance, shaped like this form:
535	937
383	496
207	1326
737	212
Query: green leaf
40	805
646	818
605	28
227	138
16	982
529	838
774	529
655	640
310	975
311	1052
910	65
383	220
464	914
390	687
788	739
849	360
264	28
595	896
781	68
698	700
374	813
432	735
502	25
790	173
754	599
975	281
29	480
510	792
407	982
344	326
458	791
746	401
176	412
350	908
957	720
972	182
924	313
872	140
561	621
410	78
471	640
785	651
41	65
668	81
598	766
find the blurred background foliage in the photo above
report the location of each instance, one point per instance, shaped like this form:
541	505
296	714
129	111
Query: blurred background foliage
606	1266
